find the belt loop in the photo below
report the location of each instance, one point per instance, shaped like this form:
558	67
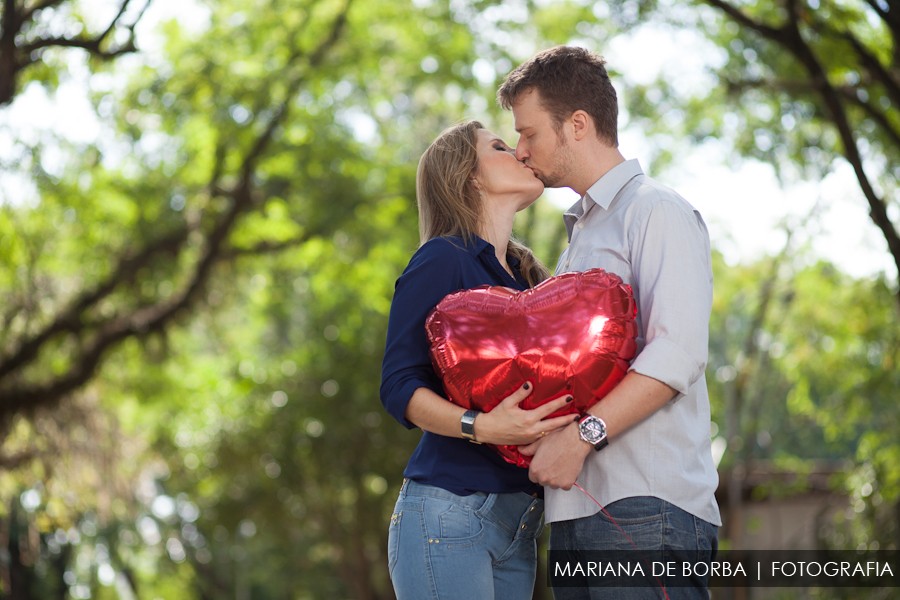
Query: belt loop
403	486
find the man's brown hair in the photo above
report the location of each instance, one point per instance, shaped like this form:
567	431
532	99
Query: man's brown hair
568	78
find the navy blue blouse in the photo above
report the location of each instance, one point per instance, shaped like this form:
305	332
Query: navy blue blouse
442	266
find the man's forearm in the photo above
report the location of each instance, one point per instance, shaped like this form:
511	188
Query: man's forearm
633	400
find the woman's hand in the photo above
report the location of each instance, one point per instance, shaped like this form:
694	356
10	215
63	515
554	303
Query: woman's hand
509	425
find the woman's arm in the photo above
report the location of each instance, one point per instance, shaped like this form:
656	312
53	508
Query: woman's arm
410	386
506	424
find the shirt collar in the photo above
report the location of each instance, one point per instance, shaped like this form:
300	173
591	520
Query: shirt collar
603	192
473	245
488	254
478	247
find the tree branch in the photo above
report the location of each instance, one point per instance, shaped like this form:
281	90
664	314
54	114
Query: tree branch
266	247
789	37
10	462
879	116
22	396
29	13
742	18
832	101
315	60
15	58
10	25
92	45
112	24
71	320
878	72
891	15
850	93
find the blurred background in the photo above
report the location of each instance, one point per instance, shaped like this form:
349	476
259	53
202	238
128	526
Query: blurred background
204	207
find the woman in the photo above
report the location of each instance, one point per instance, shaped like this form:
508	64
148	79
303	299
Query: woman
466	521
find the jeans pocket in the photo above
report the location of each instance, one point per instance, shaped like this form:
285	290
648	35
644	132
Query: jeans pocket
638	510
394	540
633	523
401	510
458	522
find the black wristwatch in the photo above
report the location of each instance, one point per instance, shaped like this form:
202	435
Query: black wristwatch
593	431
467	425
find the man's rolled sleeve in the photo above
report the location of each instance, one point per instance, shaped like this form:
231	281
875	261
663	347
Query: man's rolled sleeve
665	361
675	282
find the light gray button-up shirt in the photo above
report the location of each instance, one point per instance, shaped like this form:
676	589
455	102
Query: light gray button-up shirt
656	242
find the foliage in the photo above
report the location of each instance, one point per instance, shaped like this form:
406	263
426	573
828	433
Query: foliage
798	85
803	383
33	34
218	278
194	303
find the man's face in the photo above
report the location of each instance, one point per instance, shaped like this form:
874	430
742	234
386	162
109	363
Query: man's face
540	146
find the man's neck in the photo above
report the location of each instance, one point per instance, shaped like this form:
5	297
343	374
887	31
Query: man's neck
595	165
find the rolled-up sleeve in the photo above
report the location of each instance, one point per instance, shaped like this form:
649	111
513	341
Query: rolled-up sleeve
674	275
432	273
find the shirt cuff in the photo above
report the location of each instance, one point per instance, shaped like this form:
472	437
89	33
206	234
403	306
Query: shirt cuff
666	361
397	409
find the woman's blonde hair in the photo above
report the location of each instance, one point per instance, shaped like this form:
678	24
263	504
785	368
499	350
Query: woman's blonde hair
450	203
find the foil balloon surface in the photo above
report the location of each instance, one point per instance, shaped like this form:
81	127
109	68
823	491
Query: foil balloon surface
571	334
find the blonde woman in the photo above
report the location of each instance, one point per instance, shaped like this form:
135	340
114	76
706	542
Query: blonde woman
466	521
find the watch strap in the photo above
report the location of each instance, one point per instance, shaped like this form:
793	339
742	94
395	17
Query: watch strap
467	425
603	443
600	444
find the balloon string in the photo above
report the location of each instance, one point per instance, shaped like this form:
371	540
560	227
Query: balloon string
625	533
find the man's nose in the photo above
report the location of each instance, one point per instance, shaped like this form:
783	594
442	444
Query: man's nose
521	152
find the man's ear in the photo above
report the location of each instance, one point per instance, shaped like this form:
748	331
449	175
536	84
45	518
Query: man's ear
581	124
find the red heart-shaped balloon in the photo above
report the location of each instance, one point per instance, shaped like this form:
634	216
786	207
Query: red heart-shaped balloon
571	334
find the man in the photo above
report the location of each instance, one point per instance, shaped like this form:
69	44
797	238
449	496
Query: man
643	452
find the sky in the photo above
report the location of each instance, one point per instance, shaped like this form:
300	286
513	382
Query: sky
743	204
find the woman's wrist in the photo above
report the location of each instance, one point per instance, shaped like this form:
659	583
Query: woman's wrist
467	425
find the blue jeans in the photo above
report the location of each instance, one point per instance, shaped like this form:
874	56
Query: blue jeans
445	546
652	525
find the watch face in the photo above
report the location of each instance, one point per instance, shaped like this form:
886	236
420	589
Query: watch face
592	430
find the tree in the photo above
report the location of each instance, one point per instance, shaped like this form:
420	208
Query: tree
193	305
215	272
180	243
29	31
796	381
801	85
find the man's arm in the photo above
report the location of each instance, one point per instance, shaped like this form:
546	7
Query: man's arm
671	269
559	457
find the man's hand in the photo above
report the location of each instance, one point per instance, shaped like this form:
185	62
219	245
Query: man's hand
558	458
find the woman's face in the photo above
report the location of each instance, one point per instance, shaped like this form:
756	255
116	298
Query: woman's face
501	175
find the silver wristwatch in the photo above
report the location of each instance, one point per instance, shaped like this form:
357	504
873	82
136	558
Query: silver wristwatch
593	431
467	425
